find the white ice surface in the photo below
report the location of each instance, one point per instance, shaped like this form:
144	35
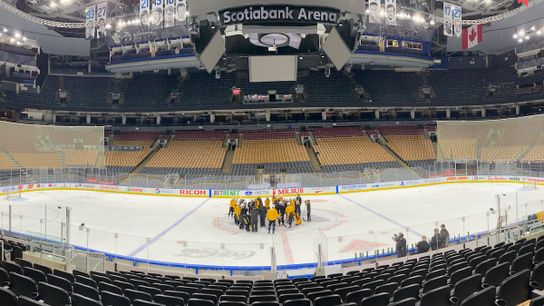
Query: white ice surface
198	231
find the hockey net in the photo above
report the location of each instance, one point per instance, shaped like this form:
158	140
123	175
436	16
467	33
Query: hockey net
529	184
12	193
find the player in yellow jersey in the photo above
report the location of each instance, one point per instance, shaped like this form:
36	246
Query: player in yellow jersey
272	216
237	212
290	212
231	207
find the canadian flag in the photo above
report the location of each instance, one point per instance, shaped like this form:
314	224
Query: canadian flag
472	36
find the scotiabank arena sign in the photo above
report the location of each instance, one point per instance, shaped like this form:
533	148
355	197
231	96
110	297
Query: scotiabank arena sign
262	14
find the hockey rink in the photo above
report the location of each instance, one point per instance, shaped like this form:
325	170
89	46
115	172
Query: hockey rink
198	230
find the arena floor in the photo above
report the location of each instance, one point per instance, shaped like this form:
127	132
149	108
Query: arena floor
198	231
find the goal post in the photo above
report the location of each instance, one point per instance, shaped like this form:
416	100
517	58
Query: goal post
528	184
12	193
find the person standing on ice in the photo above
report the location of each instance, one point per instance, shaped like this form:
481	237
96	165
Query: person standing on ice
272	215
290	213
298	204
254	219
231	207
237	213
262	215
308	211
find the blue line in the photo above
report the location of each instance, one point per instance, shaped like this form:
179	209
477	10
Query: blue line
166	230
380	215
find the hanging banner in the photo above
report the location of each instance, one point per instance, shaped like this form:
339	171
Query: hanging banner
448	19
457	13
374	11
391	12
101	17
169	13
157	13
90	18
181	10
144	12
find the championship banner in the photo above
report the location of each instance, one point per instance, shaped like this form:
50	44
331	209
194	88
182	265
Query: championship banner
90	18
391	12
144	12
457	12
374	11
181	10
448	19
169	13
101	16
157	13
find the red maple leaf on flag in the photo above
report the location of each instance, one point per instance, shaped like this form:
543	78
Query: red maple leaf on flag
526	2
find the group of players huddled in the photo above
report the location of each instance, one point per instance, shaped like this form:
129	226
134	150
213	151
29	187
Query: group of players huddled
253	214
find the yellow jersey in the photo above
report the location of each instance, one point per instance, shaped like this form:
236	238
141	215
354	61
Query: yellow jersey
272	214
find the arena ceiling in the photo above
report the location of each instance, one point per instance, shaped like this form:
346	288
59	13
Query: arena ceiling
497	37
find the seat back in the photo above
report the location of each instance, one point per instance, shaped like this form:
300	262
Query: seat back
23	285
114	299
53	295
434	283
133	295
380	299
7	297
86	291
436	297
59	282
405	302
35	274
515	288
497	274
199	302
411	291
300	302
522	262
26	301
333	299
389	288
169	300
79	300
467	286
482	297
145	303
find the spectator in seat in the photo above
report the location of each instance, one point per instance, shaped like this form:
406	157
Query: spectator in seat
423	246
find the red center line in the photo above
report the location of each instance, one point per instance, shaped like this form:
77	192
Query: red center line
286	247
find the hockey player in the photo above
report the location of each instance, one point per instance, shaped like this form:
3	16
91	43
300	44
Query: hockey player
231	207
245	222
237	213
267	202
290	213
272	215
254	219
281	211
262	215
